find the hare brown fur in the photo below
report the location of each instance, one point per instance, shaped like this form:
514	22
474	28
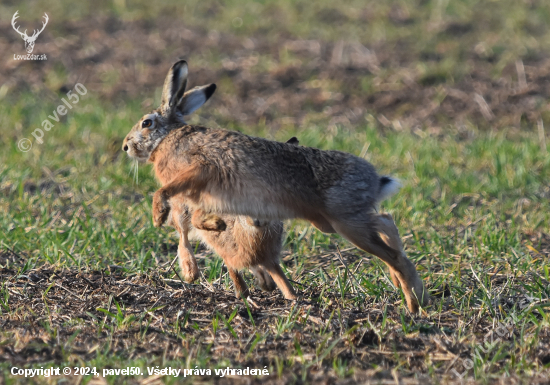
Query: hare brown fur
241	241
243	244
220	171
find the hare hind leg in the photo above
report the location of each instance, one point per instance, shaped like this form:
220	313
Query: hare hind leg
263	279
377	235
274	269
241	289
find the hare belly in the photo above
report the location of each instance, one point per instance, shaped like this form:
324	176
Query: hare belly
255	204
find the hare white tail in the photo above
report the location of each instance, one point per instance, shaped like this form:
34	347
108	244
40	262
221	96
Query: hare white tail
388	187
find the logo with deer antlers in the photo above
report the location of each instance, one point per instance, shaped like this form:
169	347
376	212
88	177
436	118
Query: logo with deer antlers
29	40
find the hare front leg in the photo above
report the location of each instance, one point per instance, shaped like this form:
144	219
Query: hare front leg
161	208
208	222
187	261
193	179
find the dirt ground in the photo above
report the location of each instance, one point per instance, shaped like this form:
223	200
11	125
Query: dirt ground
69	301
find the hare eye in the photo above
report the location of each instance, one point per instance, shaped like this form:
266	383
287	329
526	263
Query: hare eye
146	123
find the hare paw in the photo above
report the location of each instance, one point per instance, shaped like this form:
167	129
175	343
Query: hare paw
189	270
208	222
161	209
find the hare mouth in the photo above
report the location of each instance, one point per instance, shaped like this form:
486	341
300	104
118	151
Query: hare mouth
141	159
137	155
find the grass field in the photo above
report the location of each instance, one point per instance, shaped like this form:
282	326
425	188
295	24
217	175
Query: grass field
450	97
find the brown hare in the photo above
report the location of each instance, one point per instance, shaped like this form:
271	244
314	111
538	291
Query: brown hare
220	171
241	241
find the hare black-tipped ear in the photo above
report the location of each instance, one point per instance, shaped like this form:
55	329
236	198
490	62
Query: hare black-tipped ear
174	85
195	98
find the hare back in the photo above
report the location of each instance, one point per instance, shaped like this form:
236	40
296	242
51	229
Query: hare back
267	179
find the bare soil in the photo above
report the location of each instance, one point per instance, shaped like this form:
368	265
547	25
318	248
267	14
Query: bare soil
68	302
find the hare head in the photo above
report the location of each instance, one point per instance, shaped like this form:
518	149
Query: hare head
149	131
